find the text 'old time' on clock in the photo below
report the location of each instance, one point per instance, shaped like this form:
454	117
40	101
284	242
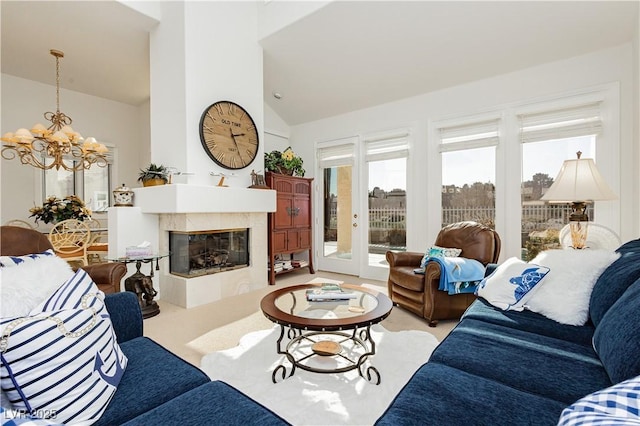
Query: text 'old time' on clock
229	135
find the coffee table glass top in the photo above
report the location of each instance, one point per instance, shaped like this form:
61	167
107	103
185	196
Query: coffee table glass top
295	303
289	307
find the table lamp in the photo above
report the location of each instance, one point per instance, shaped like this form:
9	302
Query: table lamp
578	183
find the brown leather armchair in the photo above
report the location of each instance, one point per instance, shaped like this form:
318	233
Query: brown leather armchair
419	293
18	241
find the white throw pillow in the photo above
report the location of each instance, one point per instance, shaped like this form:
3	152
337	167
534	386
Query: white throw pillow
563	295
28	280
510	285
63	358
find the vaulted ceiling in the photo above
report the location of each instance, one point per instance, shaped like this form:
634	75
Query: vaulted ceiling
346	56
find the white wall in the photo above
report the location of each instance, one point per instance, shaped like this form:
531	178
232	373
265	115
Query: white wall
611	65
275	15
23	104
201	53
276	131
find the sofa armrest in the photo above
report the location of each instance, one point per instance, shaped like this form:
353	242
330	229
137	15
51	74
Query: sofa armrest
126	315
404	258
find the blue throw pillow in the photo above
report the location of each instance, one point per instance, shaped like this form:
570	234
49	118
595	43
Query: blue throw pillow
63	358
615	405
617	337
614	281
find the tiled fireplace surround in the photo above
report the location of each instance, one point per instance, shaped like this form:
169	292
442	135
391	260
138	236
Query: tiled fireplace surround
181	207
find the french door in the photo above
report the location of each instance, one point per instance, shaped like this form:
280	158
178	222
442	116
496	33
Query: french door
338	227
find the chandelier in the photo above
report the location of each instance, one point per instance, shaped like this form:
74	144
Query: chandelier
56	146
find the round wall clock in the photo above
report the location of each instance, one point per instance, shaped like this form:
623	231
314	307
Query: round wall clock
229	135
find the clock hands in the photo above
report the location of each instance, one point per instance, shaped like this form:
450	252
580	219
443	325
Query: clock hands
233	136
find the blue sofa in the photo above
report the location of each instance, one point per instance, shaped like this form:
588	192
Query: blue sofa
513	368
160	388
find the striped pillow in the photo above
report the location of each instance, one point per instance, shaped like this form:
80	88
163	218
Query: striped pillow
62	359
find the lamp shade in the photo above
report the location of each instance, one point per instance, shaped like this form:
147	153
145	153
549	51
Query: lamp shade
579	180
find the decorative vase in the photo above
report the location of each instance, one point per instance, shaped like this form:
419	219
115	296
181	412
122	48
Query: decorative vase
123	197
154	182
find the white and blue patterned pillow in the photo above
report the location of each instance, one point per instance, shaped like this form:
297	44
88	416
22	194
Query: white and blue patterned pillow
63	358
435	251
616	405
509	286
8	261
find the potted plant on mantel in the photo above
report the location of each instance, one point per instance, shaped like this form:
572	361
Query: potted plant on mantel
153	175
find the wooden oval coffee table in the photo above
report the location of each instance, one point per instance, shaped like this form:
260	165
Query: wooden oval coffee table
326	336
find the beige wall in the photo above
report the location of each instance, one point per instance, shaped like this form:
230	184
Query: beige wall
110	122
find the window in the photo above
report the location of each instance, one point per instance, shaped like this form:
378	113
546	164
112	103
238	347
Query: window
92	185
548	138
468	153
386	159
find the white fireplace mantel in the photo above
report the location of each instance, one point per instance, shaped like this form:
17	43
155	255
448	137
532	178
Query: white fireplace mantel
184	198
184	207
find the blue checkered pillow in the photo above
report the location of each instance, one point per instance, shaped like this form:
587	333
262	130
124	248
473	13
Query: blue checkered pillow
615	405
63	358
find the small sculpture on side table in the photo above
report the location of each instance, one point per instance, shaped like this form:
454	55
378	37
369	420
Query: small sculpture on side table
142	285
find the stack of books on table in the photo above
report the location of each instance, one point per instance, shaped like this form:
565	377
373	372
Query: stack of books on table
329	292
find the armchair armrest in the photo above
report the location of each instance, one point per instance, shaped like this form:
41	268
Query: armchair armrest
126	315
404	258
107	275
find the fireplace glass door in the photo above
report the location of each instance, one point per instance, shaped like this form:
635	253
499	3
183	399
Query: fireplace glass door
208	252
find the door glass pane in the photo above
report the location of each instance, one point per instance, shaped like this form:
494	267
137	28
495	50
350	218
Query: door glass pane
468	186
96	188
337	212
541	162
387	189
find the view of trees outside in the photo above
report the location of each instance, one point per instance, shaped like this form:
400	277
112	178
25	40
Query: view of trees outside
468	193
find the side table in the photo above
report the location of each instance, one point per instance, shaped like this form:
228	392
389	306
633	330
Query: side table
141	284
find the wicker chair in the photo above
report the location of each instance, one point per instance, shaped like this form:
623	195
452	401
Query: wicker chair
418	293
70	239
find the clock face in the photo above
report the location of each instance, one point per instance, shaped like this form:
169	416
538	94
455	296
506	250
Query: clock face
229	135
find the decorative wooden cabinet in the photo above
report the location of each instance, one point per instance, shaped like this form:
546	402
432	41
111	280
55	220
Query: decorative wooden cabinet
290	226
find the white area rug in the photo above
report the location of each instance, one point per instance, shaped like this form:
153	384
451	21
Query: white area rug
309	398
